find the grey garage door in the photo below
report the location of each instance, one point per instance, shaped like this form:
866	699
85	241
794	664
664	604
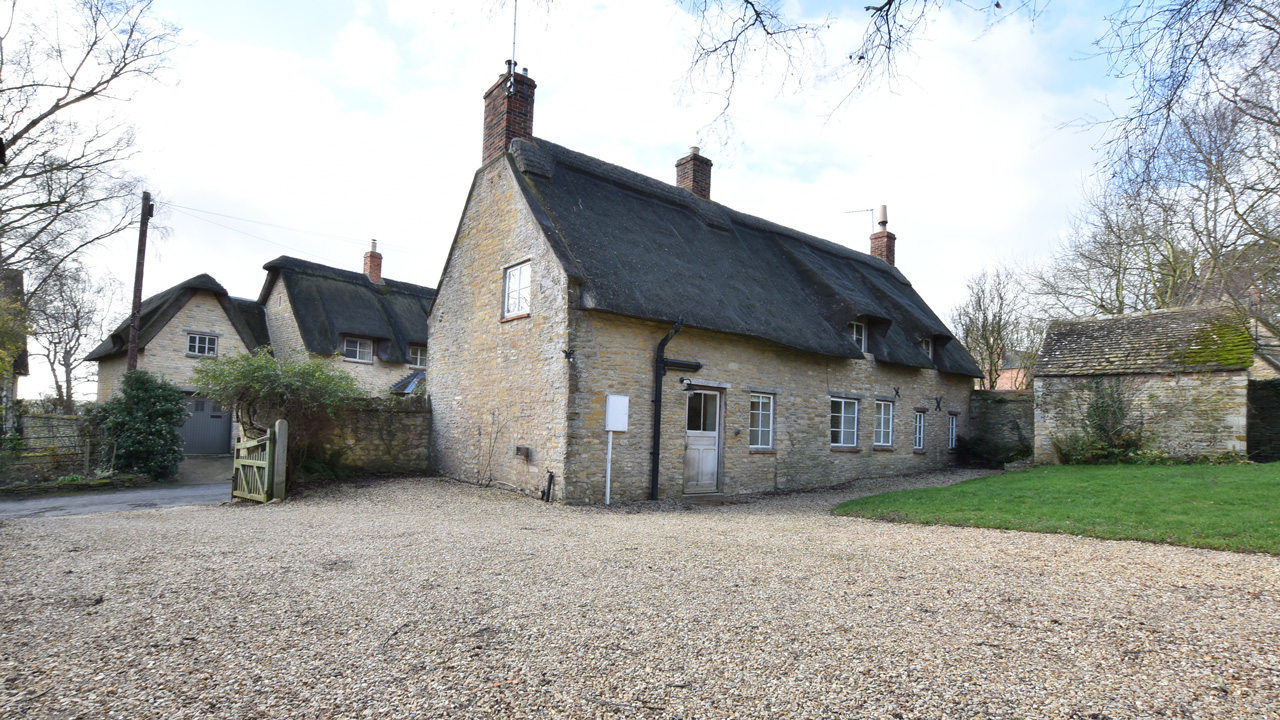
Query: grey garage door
208	429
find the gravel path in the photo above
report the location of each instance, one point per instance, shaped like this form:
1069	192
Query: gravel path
425	598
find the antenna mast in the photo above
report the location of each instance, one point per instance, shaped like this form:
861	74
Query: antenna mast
511	65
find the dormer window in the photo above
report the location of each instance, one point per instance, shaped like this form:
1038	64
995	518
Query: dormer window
358	350
927	345
859	335
418	355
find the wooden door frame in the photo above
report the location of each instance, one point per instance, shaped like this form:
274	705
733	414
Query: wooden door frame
721	401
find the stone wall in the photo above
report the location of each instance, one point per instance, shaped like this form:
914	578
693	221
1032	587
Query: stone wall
498	384
166	354
1182	414
1004	418
385	439
615	355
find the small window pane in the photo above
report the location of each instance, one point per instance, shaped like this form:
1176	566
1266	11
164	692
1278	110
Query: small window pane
919	440
710	409
694	417
844	422
202	345
417	355
860	335
951	432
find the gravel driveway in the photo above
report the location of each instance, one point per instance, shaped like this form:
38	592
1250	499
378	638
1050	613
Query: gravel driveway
425	598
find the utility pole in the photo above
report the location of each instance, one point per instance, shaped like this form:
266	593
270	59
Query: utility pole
148	210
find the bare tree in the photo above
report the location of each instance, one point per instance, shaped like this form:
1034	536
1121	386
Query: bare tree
64	184
67	318
996	329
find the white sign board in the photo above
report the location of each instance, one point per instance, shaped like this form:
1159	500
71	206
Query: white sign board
616	408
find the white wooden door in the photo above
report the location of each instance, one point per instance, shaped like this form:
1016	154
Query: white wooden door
702	442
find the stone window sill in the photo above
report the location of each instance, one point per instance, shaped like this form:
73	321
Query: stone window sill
846	449
199	356
883	448
763	451
919	452
354	360
509	318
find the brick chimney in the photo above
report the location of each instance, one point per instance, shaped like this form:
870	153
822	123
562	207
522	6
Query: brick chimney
373	264
882	241
693	173
508	111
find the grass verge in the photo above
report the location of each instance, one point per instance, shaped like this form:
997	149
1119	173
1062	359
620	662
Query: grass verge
1221	507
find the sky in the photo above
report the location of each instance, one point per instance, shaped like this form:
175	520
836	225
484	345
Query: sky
310	128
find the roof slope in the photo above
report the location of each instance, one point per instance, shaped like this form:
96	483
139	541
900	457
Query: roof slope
245	316
643	248
329	303
1197	338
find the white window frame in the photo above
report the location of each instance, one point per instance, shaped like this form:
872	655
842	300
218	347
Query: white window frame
194	344
919	437
839	433
882	435
860	335
420	349
951	432
363	349
927	345
760	425
516	290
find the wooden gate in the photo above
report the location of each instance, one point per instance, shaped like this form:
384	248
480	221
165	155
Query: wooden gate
259	471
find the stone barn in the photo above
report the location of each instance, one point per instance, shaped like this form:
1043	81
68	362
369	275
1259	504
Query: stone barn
1184	374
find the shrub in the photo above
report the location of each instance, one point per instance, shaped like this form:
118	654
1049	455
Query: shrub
143	420
263	388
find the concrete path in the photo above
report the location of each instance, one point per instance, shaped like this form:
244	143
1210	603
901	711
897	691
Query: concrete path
201	480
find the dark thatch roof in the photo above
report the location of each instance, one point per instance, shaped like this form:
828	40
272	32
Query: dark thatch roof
646	249
329	303
1197	338
246	317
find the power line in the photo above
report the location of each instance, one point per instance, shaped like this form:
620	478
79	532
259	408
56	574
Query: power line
344	238
255	237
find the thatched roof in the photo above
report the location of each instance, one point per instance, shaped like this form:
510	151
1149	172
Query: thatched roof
646	249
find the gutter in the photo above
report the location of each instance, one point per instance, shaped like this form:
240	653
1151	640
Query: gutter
660	365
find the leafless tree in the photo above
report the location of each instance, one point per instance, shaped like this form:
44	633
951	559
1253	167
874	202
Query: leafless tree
64	184
72	313
996	328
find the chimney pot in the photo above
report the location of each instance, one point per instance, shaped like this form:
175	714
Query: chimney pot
508	112
882	241
693	173
373	264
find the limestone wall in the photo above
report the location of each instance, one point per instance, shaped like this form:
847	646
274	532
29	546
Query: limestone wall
615	355
497	384
1183	414
385	440
1001	417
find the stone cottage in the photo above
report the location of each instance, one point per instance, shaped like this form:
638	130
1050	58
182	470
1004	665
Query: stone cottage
1184	372
372	327
764	357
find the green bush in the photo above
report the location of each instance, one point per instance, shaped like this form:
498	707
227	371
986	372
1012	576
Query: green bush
263	388
143	420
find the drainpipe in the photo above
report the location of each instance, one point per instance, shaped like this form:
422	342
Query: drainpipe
659	369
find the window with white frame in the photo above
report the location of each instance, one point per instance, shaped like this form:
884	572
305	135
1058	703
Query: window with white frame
202	345
927	345
761	433
516	291
951	432
883	435
860	335
919	440
844	422
358	349
418	355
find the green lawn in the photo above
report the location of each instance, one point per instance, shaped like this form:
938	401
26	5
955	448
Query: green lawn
1223	507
